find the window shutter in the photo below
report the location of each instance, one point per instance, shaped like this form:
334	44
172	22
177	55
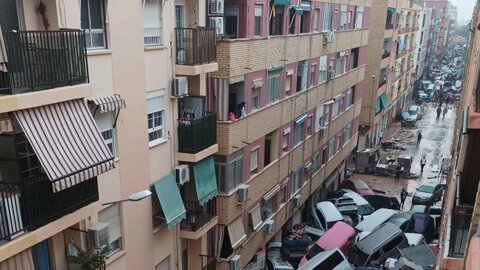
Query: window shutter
111	215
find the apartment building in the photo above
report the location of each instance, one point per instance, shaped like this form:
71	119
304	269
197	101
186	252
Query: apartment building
419	58
461	211
438	33
296	68
390	70
91	116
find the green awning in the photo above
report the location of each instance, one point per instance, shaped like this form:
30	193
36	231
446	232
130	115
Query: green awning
205	180
378	106
170	200
298	10
282	2
383	97
275	68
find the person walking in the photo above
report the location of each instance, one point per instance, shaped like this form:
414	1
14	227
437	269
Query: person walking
380	136
398	171
403	197
423	162
439	111
445	110
419	138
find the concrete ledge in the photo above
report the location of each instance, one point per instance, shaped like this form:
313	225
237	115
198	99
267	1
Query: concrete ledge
194	235
186	157
10	103
195	70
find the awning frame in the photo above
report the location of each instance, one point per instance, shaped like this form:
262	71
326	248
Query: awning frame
119	99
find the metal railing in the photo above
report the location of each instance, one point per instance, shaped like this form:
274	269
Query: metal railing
197	215
31	204
195	135
39	60
195	46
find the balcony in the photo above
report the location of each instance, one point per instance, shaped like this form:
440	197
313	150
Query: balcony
385	54
195	51
42	60
389	26
199	220
197	138
30	204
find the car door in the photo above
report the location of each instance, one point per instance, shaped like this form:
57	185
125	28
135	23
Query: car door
438	193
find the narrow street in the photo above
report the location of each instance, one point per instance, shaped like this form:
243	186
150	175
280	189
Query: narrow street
437	139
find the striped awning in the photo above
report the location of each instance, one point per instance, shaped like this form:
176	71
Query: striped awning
66	141
109	104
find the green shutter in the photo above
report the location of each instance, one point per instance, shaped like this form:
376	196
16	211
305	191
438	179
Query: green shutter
384	99
298	10
282	2
170	200
378	106
205	180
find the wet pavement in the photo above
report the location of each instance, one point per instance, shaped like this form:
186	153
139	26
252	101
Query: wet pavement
437	139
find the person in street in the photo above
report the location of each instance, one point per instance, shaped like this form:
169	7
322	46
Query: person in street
423	162
419	138
380	136
445	110
403	197
241	111
439	111
398	171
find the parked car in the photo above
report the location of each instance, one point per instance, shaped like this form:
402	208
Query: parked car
274	259
363	207
436	209
328	260
407	120
375	220
421	217
347	208
427	194
341	236
382	201
403	221
422	96
378	245
325	215
415	112
357	185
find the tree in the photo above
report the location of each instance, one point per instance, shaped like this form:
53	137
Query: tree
91	259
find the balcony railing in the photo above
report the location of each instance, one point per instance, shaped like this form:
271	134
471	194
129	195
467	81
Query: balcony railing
39	60
197	216
385	54
195	135
195	46
31	204
388	26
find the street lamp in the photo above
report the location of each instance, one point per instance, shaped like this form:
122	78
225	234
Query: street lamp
135	197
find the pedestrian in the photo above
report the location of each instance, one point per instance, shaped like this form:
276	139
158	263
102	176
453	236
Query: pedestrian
398	171
403	197
380	136
419	138
445	110
439	111
423	162
240	112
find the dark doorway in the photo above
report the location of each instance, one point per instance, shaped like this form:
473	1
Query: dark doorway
268	150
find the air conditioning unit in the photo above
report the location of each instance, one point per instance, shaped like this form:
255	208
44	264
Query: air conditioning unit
180	86
234	263
182	174
328	37
297	201
98	235
268	227
323	132
216	7
217	23
243	193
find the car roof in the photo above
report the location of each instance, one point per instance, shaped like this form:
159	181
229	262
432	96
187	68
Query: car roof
413	107
419	208
429	184
320	257
357	198
330	210
336	236
414	238
376	219
384	233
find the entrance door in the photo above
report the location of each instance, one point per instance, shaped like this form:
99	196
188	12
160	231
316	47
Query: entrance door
41	256
9	15
268	150
179	23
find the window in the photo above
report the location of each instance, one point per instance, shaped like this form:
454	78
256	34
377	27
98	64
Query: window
309	125
276	22
347	133
229	171
163	265
254	161
258	20
322	69
349	99
269	207
285	139
332	147
273	86
255	218
298	129
344	17
316	161
335	109
295	180
319	119
389	20
231	20
288	85
328	108
105	126
282	194
313	69
359	17
316	16
92	19
109	141
324	158
335	20
152	22
111	215
156	116
340	64
327	13
256	98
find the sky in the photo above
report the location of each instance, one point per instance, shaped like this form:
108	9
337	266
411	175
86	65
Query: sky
465	9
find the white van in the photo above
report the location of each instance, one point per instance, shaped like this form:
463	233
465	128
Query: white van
332	259
375	220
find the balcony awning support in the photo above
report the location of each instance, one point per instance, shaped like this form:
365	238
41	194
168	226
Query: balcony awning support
109	104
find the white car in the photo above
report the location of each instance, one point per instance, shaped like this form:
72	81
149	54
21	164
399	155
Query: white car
333	259
325	215
363	206
375	220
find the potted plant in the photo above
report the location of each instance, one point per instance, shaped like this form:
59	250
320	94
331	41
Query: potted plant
91	259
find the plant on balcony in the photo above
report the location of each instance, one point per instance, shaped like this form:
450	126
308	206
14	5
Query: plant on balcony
91	259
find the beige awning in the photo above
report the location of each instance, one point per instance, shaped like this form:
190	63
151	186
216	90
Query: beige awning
21	261
66	141
255	217
3	53
236	232
271	193
109	104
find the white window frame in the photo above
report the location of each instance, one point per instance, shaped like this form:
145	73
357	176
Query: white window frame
335	109
295	180
288	84
359	17
254	153
327	15
313	70
343	17
273	86
157	98
255	216
152	31
309	125
91	32
256	98
105	125
323	70
266	212
319	119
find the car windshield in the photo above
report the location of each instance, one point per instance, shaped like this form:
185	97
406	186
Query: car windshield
412	112
313	251
357	256
426	189
365	209
360	185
